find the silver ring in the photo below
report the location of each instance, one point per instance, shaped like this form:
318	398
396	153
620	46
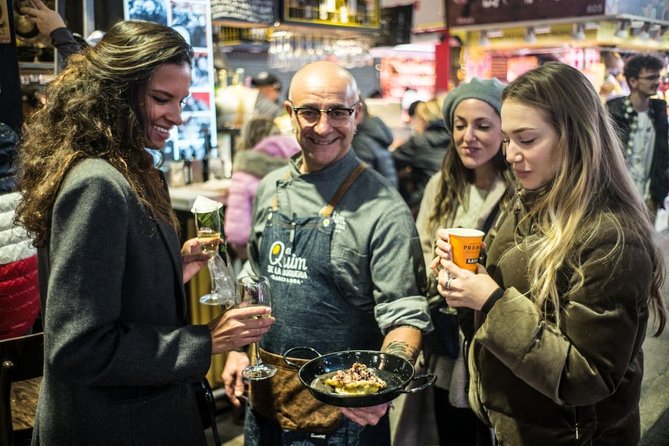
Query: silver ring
448	283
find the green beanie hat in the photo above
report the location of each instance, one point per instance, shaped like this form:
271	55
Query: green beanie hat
486	90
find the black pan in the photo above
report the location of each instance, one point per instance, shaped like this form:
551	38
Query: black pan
396	371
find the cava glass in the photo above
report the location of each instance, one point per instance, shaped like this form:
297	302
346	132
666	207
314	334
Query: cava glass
208	225
254	291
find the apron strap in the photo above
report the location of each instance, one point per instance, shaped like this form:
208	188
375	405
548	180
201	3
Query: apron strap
275	202
345	186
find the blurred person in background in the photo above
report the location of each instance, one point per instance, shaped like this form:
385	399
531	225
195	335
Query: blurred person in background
643	128
371	141
269	94
416	126
269	151
254	130
421	155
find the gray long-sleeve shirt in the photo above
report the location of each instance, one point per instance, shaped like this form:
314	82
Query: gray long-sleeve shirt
376	252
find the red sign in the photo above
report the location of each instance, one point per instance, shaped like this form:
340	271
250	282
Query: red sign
480	12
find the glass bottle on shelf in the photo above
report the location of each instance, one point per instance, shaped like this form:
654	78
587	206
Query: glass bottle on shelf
310	9
238	77
361	9
295	9
323	10
222	78
352	6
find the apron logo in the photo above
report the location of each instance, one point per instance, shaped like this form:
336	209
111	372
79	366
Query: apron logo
284	266
340	222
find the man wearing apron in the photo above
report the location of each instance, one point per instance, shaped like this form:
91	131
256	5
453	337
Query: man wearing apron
341	251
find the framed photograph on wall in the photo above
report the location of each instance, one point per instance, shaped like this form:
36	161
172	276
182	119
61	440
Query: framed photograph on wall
192	19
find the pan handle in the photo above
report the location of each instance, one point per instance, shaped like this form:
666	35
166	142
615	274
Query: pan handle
430	379
290	350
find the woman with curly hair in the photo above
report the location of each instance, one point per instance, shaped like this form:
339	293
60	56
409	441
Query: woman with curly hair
573	272
119	355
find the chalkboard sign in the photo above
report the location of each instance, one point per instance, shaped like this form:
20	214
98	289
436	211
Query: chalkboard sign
257	11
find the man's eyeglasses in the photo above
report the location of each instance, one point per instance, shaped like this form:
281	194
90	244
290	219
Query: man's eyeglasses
337	116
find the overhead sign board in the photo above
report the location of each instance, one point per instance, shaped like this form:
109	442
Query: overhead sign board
481	12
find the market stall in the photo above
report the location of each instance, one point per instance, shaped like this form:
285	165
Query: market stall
504	39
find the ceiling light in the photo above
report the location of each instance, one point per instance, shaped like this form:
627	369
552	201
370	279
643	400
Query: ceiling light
579	31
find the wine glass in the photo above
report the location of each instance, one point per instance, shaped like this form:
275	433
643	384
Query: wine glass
254	291
208	225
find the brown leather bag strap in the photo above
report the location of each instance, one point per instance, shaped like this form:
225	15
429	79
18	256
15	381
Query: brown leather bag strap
345	186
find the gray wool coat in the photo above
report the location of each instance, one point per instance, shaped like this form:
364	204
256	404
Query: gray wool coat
119	355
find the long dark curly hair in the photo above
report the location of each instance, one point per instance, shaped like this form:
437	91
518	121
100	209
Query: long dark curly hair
93	110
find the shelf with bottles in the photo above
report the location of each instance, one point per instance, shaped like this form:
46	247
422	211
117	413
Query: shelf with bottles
344	13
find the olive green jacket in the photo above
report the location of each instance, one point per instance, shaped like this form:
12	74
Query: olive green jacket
579	383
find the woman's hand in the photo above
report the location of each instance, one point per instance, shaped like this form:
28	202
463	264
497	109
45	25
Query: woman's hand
192	258
237	327
365	415
442	251
463	288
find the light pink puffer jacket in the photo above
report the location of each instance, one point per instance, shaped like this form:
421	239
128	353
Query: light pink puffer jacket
248	168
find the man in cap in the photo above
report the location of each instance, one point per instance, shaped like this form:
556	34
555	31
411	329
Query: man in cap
269	92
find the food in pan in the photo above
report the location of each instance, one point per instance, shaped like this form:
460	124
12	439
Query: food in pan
358	380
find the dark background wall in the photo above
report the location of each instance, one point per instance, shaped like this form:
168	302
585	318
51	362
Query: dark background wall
107	12
10	84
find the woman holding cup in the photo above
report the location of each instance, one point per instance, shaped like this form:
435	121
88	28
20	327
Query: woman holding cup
468	192
572	275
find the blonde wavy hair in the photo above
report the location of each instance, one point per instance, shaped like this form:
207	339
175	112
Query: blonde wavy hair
94	110
592	178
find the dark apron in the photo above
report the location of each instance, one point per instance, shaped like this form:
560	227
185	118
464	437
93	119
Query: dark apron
295	256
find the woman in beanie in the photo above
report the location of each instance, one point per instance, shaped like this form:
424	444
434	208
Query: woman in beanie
468	191
572	275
